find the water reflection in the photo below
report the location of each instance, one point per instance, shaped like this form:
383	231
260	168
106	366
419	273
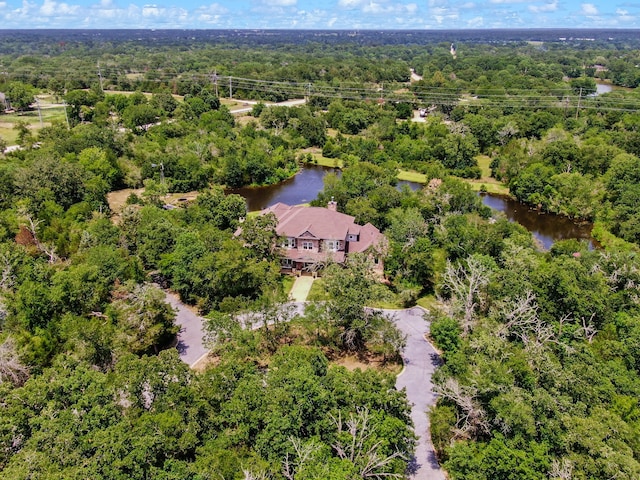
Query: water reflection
546	228
301	188
305	186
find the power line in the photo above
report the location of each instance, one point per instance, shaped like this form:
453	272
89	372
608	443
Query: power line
556	98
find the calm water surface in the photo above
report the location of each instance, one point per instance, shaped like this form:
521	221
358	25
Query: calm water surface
305	186
301	188
547	228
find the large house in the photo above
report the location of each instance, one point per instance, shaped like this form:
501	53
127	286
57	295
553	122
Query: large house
311	237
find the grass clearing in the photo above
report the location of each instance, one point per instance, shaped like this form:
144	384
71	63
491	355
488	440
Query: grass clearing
318	292
489	187
409	176
287	283
8	134
428	302
484	162
32	118
318	159
486	182
366	362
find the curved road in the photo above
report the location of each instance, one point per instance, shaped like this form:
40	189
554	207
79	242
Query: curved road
420	361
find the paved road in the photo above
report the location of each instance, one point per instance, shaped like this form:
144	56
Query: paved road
420	361
190	337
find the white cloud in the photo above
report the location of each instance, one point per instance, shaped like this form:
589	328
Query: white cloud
50	8
351	3
280	3
379	7
547	7
332	21
212	10
475	22
623	15
150	11
589	9
501	2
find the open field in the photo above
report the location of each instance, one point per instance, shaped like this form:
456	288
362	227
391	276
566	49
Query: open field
486	182
50	113
410	176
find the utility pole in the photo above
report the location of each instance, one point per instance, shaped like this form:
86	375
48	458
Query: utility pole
66	114
100	78
39	112
215	81
578	107
230	89
161	165
308	92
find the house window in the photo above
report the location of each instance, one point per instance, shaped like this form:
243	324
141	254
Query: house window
287	263
332	245
289	242
307	245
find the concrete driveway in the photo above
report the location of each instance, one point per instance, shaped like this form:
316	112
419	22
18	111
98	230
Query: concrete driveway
300	289
420	361
191	335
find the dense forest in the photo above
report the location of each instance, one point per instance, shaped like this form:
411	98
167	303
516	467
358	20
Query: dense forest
540	349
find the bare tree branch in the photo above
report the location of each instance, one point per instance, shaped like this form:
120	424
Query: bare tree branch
466	286
11	369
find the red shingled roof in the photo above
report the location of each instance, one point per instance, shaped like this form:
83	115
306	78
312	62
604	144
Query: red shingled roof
322	224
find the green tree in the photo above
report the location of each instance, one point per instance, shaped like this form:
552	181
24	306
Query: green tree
20	95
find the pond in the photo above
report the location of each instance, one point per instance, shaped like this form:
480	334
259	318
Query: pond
603	88
305	186
301	188
546	228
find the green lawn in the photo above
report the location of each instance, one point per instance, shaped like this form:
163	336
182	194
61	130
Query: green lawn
287	283
49	115
428	302
318	292
486	182
318	159
484	162
408	176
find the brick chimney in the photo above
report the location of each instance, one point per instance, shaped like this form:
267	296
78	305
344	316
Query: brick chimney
332	205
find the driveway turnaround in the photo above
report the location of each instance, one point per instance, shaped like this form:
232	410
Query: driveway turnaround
420	361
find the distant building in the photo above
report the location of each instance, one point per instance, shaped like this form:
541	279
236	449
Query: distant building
311	237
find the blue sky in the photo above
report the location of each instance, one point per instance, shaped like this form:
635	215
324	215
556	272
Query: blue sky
319	14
